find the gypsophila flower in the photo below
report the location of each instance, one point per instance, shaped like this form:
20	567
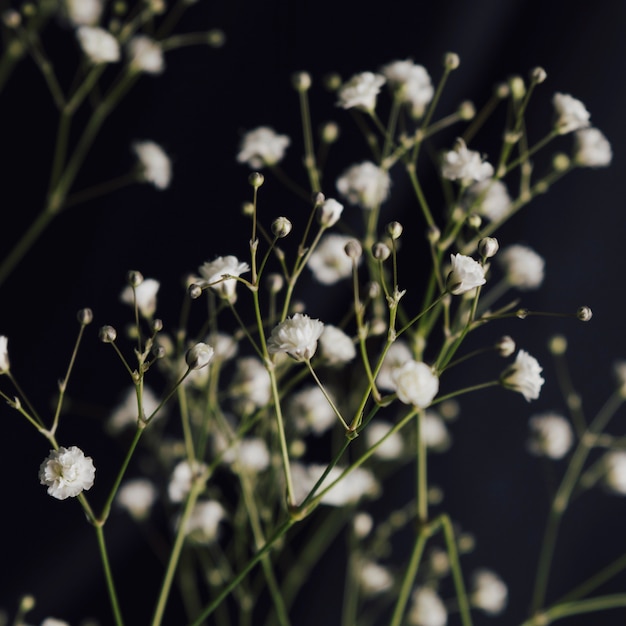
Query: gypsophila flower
5	364
297	336
203	523
330	212
156	167
415	383
199	356
126	413
592	148
434	432
464	165
427	608
411	84
224	345
213	271
310	411
571	114
489	198
67	472
137	497
522	266
524	375
360	91
488	592
336	348
99	45
398	354
329	262
182	478
262	147
145	55
614	463
389	449
246	455
364	184
551	435
84	12
465	275
145	295
251	386
374	578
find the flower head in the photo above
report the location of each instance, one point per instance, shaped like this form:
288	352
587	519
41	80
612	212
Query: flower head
310	411
465	165
67	472
329	261
489	592
374	578
251	386
391	448
336	347
427	608
364	184
144	294
551	435
524	375
262	147
297	336
415	383
155	165
146	55
213	272
465	275
411	84
99	45
571	114
360	91
592	148
489	198
137	496
523	267
5	364
398	354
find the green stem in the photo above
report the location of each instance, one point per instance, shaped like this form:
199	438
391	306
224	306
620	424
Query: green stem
108	575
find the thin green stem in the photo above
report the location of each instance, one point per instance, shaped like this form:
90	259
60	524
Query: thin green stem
115	607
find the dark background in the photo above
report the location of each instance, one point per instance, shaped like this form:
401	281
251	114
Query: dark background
198	110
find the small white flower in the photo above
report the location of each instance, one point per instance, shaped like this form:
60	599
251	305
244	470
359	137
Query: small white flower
391	448
99	45
524	375
156	166
615	467
5	364
522	266
551	435
465	275
489	592
465	165
374	578
310	411
398	354
330	212
126	413
67	472
592	148
182	478
262	147
297	336
427	608
137	496
360	91
411	84
250	455
364	184
213	271
251	386
199	356
145	55
145	294
203	523
415	383
329	261
489	198
336	348
571	114
84	12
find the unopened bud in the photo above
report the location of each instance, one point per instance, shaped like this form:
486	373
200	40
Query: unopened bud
256	179
274	282
84	316
502	91
538	75
247	208
11	18
318	198
395	230
353	249
157	325
467	110
505	346
433	234
108	334
332	82
381	251
158	351
330	132
199	356
216	38
558	345
281	227
301	81
474	221
487	247
560	162
134	278
518	89
373	290
521	314
451	60
584	313
194	291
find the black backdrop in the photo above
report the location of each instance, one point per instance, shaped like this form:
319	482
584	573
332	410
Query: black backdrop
197	110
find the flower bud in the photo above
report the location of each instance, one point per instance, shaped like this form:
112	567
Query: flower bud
158	351
558	345
373	290
467	110
216	38
256	179
518	89
108	334
560	162
502	91
247	208
11	18
332	82
281	227
381	251
194	291
433	234
301	81
584	313
318	198
487	247
353	249
330	132
85	316
157	325
199	356
451	61
395	230
538	75
134	278
474	221
274	282
505	346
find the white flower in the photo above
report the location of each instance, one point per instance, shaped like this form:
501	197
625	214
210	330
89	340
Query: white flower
245	455
137	496
99	45
416	383
615	467
203	523
262	147
224	345
310	411
146	55
374	578
465	165
330	212
53	621
391	448
67	472
465	275
592	148
411	84
360	91
434	432
490	197
524	376
489	592
336	348
156	167
364	184
551	435
427	608
329	261
182	477
571	114
522	266
84	12
199	356
5	364
213	271
251	386
398	354
297	336
145	294
126	413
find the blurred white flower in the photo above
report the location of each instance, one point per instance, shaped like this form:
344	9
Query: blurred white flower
465	275
137	497
490	197
360	91
52	621
364	184
5	364
411	84
415	383
398	354
615	471
262	147
145	294
524	375
465	165
329	262
224	345
571	114
391	448
522	266
203	523
155	165
374	578
145	55
67	472
427	608
336	348
310	411
212	272
297	336
126	412
251	388
434	432
551	435
488	592
249	455
99	45
592	148
330	212
182	478
84	12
